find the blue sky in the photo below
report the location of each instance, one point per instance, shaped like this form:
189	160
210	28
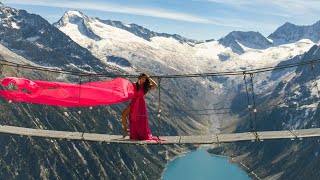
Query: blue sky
195	19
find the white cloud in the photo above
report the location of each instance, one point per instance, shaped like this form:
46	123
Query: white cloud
150	12
108	7
285	8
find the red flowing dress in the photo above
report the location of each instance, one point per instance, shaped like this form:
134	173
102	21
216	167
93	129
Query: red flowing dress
138	118
67	94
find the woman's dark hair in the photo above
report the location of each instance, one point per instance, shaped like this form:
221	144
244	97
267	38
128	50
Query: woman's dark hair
146	86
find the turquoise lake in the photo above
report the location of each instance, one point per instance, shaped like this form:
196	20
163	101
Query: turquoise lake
200	165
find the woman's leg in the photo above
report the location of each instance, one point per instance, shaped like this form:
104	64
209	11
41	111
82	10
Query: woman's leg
125	114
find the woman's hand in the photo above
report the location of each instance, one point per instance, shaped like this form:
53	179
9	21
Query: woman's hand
153	84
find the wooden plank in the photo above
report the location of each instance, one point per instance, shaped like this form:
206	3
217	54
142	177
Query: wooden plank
104	138
209	139
248	136
58	134
170	139
41	133
305	133
264	135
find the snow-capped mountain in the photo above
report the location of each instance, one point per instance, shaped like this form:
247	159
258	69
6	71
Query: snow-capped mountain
32	37
77	17
146	33
163	55
81	21
289	33
253	40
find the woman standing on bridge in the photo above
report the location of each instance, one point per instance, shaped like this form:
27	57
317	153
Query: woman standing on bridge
137	110
89	94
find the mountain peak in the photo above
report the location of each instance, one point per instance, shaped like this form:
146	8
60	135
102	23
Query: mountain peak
248	39
288	24
72	17
289	33
74	13
80	19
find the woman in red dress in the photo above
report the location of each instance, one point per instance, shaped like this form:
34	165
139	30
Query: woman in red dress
137	110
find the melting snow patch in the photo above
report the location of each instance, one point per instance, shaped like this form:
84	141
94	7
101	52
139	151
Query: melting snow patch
270	40
41	31
110	125
31	39
283	105
14	25
66	114
75	56
127	25
314	105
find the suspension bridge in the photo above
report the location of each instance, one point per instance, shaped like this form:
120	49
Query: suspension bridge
252	136
205	139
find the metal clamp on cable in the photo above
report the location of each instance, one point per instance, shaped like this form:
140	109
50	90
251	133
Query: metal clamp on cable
257	136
